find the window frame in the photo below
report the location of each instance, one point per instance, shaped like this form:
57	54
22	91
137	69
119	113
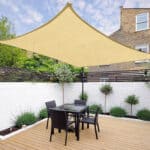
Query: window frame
137	47
136	23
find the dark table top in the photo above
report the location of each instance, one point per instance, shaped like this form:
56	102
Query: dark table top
71	108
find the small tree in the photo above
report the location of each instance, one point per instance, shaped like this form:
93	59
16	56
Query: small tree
132	100
63	74
9	55
6	29
106	90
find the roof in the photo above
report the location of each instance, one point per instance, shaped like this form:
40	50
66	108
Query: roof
68	38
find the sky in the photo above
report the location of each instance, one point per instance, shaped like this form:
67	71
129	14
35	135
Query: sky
104	15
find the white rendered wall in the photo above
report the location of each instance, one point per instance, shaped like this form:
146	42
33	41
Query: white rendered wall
16	98
19	97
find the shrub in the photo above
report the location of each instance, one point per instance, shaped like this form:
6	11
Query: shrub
132	100
83	96
93	108
43	113
144	114
26	118
118	112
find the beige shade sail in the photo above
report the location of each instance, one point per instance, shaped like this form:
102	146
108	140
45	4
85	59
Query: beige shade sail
68	38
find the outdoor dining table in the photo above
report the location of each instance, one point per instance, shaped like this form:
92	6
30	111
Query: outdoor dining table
76	110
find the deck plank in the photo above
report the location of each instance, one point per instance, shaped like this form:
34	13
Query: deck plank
116	134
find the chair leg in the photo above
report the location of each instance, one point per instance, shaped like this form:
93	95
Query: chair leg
87	125
98	127
47	123
82	126
50	139
59	130
96	132
52	132
75	129
66	138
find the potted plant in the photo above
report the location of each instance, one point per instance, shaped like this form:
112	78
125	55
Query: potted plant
106	90
132	100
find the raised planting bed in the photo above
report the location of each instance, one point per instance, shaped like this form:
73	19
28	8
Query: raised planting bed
8	130
127	116
6	133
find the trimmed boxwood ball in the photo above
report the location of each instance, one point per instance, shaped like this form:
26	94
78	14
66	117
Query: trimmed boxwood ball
106	90
43	113
26	118
143	114
117	112
93	108
132	100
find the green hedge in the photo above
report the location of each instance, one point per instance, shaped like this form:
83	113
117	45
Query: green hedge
43	113
93	108
143	114
117	112
26	118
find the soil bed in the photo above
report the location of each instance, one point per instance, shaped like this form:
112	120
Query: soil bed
9	130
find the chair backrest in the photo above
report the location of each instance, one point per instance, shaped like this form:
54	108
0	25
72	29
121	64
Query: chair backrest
79	102
50	104
59	119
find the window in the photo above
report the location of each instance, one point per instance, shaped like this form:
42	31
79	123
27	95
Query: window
143	48
142	21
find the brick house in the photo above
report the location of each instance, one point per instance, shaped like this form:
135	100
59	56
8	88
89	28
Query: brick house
134	29
134	32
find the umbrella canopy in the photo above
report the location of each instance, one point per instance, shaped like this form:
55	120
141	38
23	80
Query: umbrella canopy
68	38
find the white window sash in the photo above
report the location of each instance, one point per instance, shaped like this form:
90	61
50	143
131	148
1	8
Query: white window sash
143	22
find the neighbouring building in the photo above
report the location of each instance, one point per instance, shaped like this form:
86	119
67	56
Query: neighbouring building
134	32
134	28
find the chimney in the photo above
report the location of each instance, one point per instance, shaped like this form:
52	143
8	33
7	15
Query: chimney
121	7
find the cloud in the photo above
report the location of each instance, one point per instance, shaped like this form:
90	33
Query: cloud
24	12
36	16
81	4
90	9
103	15
10	4
29	15
23	15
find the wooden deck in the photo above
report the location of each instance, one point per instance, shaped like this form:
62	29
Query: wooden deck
116	134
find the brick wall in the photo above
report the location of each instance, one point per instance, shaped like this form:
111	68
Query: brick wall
128	19
127	33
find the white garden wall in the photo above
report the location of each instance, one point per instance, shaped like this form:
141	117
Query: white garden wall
19	97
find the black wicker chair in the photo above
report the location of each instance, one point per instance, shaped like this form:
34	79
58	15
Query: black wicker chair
60	121
79	102
91	120
49	104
